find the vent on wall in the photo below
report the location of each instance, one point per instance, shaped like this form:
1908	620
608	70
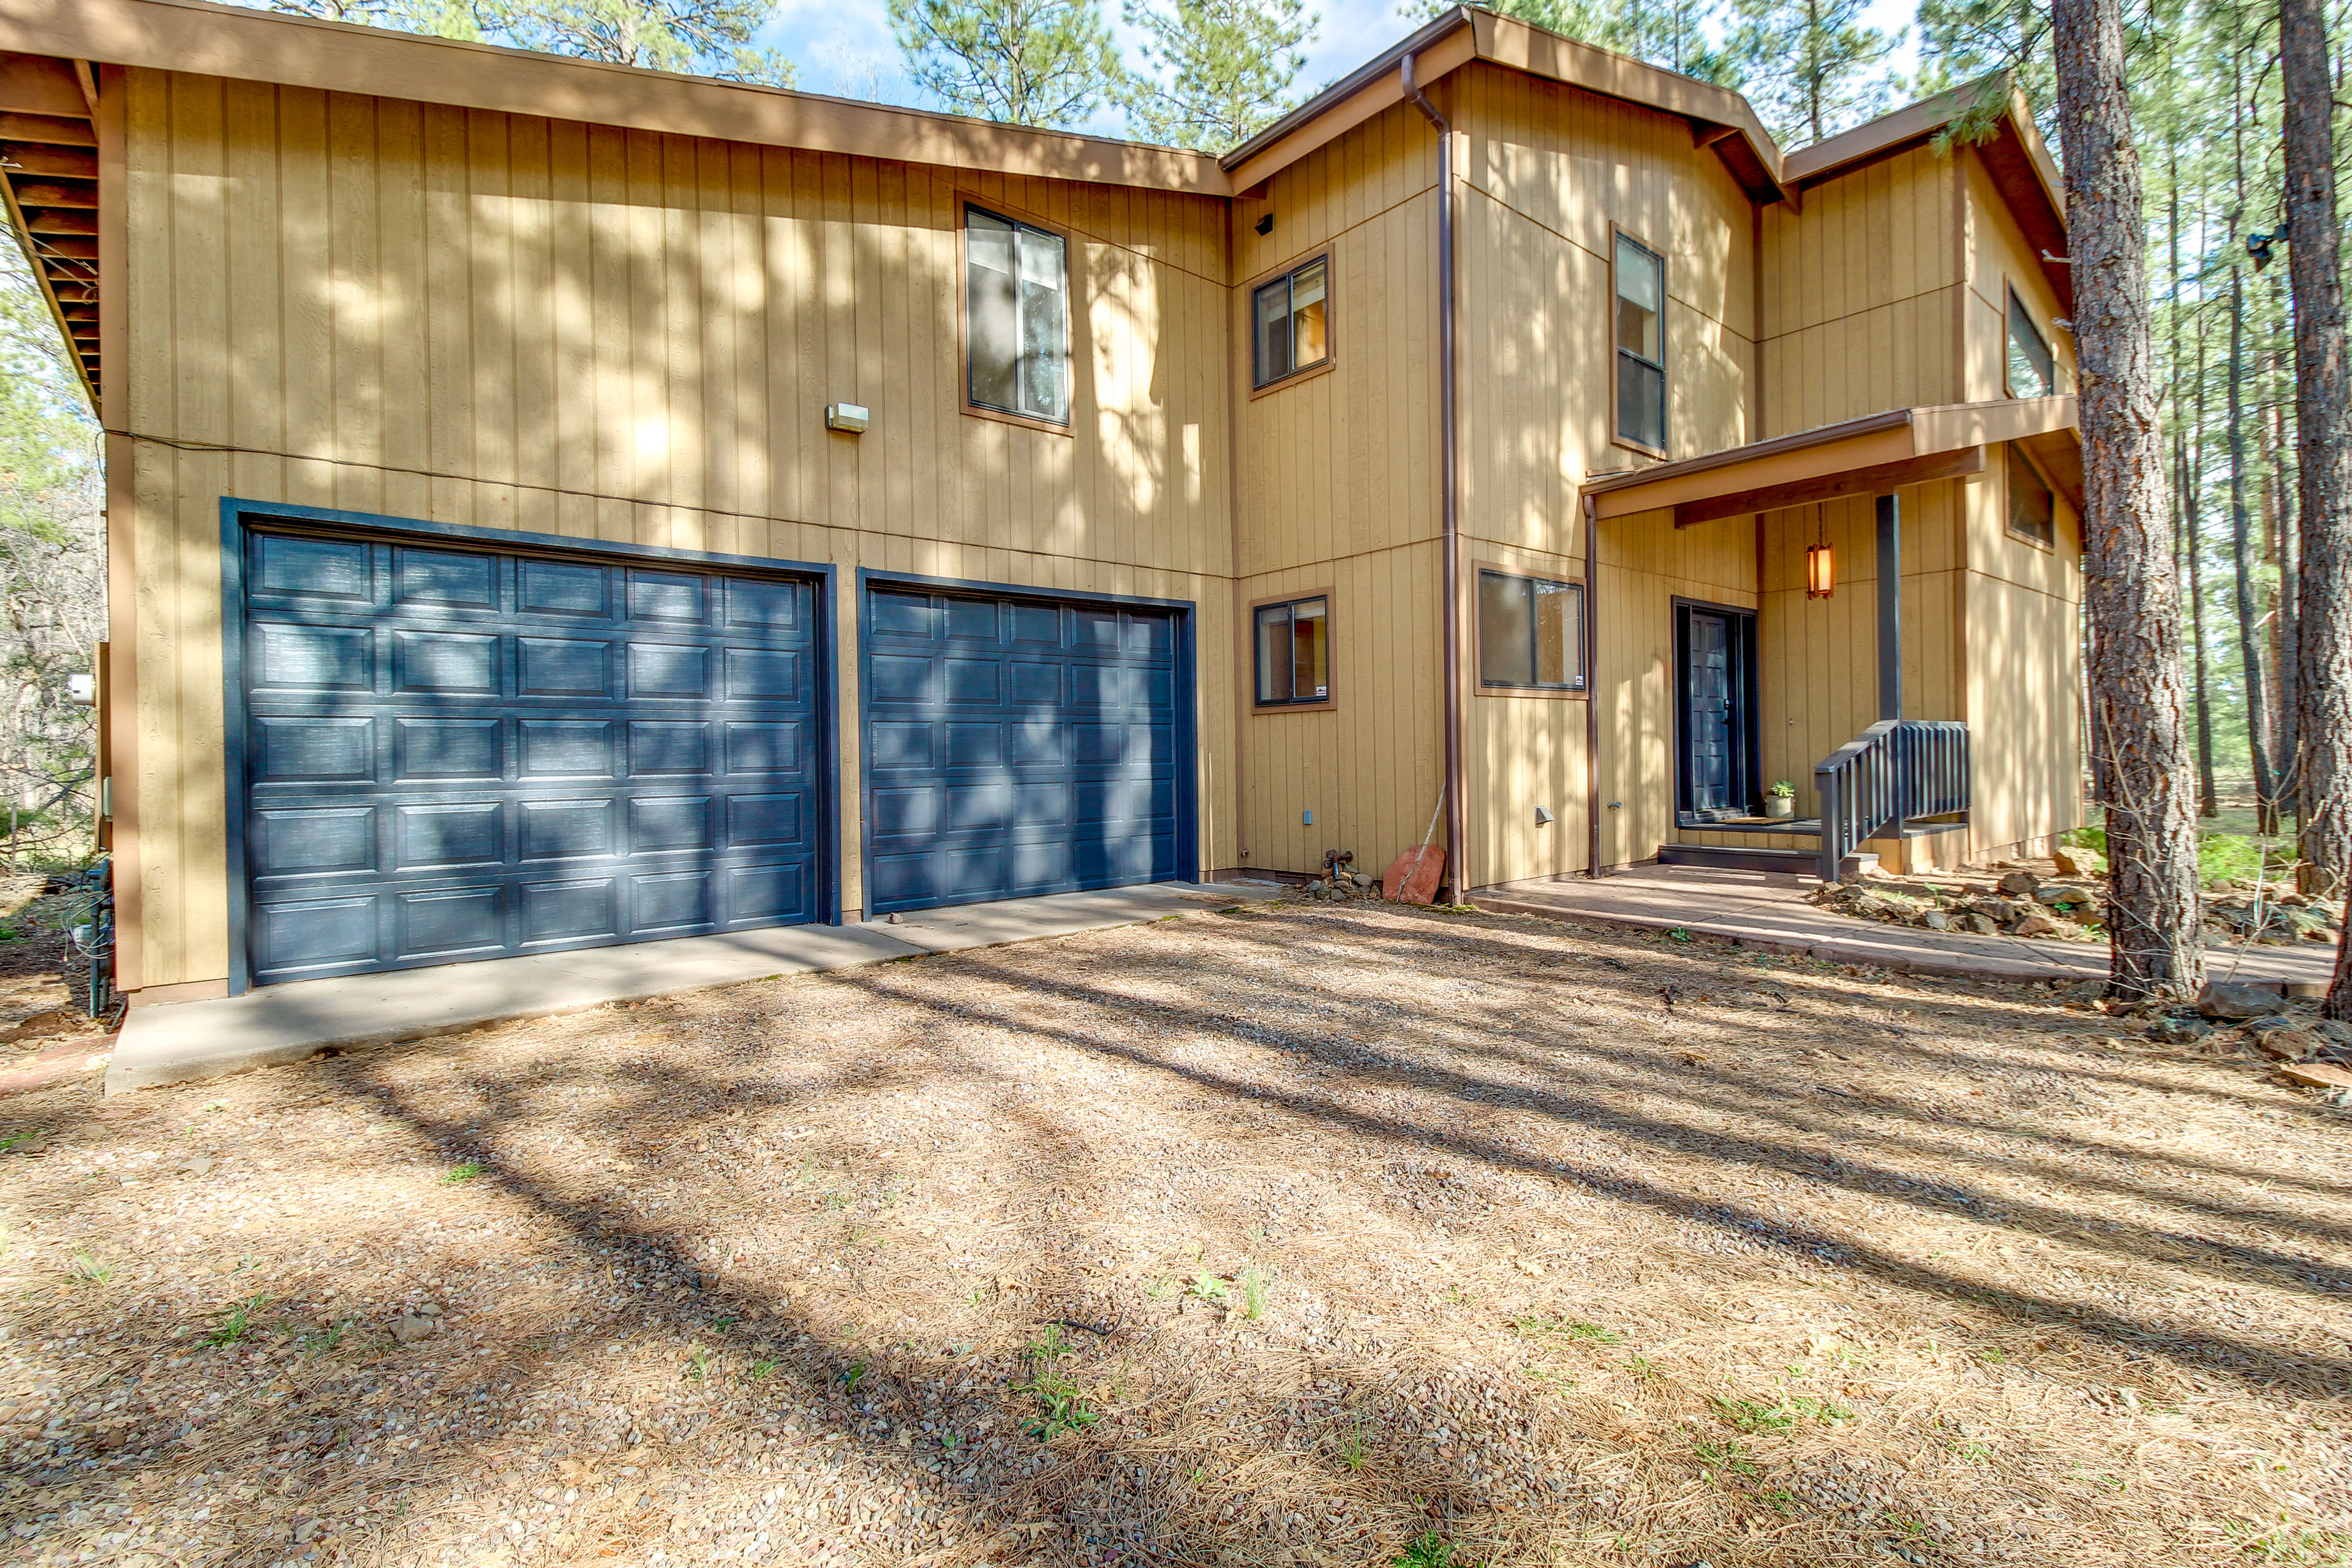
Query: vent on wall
48	179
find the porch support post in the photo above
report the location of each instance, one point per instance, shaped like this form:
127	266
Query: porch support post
1890	608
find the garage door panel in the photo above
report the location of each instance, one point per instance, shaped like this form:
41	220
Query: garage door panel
458	753
317	571
1015	747
314	842
313	750
310	935
469	749
449	837
449	922
287	657
564	588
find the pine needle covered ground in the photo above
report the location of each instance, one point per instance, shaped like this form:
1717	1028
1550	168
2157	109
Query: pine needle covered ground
1297	1235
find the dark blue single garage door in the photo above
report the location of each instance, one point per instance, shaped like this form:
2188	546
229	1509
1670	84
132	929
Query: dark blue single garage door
456	754
1015	747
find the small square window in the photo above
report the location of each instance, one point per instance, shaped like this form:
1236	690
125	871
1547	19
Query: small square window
1639	328
2032	508
1294	653
1016	317
1530	632
1290	322
2032	373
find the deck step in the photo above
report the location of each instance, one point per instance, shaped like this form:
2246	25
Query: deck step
1738	857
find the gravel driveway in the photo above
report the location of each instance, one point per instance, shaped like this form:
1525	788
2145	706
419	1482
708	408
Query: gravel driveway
1300	1233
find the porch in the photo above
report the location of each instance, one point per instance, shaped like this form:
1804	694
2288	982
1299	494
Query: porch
1843	682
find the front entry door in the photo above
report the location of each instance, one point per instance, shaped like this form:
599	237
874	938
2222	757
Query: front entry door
1715	649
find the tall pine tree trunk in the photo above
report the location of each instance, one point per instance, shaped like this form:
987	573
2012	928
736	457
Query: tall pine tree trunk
2249	640
2208	801
2279	526
2323	412
2135	602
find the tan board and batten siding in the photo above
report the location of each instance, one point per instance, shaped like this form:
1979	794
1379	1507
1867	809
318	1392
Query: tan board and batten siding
512	323
482	316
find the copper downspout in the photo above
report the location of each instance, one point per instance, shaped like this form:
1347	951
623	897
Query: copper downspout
1458	833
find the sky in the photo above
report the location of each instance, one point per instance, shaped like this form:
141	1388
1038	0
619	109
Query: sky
845	47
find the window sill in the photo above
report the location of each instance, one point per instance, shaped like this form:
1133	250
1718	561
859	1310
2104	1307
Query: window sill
1632	446
1294	378
1325	705
1553	693
2047	546
1026	421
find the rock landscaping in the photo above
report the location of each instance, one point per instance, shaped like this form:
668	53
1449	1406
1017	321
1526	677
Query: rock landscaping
1299	1234
2021	899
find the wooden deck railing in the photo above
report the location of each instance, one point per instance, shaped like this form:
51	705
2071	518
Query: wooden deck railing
1896	770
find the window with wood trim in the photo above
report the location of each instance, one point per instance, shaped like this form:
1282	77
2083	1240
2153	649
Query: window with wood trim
2033	508
1290	322
1640	336
1016	317
2033	371
1530	632
1294	652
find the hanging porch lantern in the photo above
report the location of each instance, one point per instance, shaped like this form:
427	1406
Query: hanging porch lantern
1821	571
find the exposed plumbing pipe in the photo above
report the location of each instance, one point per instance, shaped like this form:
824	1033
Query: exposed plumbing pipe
1457	834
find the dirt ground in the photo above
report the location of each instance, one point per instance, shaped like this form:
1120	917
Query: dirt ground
1303	1234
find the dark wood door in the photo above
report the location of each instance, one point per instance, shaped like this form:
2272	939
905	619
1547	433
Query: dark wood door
1710	711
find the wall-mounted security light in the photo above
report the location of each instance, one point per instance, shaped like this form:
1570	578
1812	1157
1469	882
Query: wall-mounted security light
848	417
81	688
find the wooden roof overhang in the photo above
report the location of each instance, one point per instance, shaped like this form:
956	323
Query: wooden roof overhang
2012	149
49	182
1869	455
1718	118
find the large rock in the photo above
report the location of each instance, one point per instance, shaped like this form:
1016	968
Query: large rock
2281	1040
2019	884
2033	925
2236	1004
2074	862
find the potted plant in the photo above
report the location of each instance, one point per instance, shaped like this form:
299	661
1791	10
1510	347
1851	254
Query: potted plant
1780	801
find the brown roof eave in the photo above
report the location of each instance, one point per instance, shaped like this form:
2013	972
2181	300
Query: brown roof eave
259	45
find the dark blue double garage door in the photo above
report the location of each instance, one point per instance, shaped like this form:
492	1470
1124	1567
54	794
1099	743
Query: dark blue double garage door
455	753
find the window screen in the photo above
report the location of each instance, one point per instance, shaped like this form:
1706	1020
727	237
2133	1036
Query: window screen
2032	509
1530	632
1294	652
1017	317
1641	345
2031	372
1292	322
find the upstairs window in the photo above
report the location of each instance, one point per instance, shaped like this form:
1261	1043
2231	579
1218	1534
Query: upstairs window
1530	632
1291	322
2032	508
1640	346
1016	317
2031	371
1294	653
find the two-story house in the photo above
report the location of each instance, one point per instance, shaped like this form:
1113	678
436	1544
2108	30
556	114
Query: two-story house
552	504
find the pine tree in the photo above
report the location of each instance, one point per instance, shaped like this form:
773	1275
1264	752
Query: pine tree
1023	62
1670	33
2142	760
1810	66
703	37
1971	40
1231	65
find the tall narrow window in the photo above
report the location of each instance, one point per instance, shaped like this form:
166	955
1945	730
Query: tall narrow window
2032	373
1291	322
1530	632
2032	508
1294	653
1016	317
1640	346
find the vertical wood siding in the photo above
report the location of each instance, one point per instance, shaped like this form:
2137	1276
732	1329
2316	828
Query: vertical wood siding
490	320
1339	491
2022	667
1999	259
1862	294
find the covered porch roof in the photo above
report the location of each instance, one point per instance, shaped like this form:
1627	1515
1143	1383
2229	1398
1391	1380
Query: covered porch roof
1868	456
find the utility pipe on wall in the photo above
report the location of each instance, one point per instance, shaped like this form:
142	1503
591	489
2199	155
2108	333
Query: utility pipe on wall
1456	818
